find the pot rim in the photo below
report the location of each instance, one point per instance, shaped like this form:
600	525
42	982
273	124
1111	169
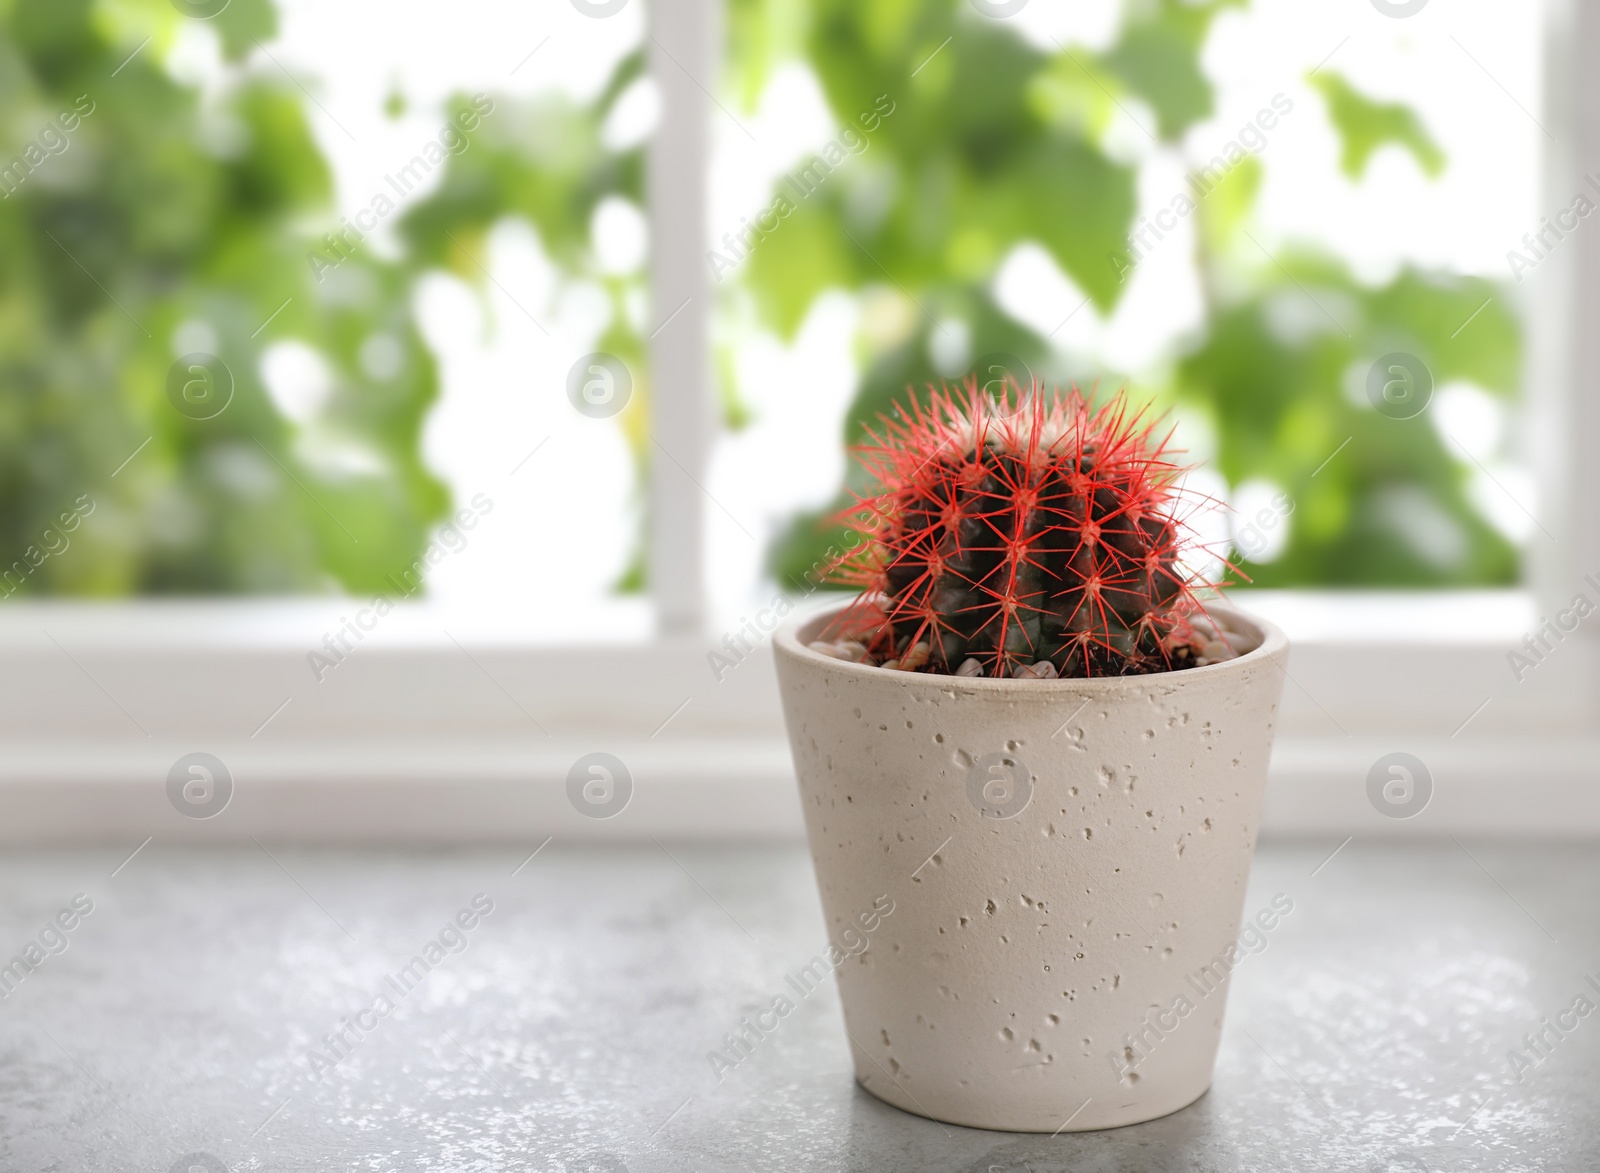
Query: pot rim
1273	644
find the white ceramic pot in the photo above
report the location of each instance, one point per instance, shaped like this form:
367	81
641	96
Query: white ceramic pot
1066	862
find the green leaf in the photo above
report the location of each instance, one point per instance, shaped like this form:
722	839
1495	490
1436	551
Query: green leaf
1376	500
806	256
1365	125
204	239
1157	62
1158	58
244	23
761	35
1075	202
1224	207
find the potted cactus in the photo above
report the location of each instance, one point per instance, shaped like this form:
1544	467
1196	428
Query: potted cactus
1034	735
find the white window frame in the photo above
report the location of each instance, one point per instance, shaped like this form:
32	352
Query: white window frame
419	736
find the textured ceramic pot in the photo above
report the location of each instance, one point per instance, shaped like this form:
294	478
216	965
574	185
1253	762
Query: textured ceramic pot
1066	862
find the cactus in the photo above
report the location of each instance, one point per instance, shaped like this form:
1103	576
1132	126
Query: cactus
1022	534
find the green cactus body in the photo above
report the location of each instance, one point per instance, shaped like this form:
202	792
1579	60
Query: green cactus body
1017	532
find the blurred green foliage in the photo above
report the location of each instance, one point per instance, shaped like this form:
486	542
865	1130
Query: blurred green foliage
996	142
169	217
1365	125
159	218
544	160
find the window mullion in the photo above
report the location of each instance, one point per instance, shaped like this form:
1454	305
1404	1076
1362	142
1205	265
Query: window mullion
682	63
1563	410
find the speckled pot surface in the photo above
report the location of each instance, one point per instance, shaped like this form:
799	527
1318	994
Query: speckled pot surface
1066	862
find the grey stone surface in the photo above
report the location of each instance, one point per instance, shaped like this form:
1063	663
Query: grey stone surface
572	1031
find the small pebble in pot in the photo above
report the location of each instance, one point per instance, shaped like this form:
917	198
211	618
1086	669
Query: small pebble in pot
970	667
1043	670
849	650
1217	651
828	648
916	657
892	665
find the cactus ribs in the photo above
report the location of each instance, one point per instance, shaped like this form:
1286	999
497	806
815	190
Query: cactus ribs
1015	533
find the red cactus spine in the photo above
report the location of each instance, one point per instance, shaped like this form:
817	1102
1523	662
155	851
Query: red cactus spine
1022	530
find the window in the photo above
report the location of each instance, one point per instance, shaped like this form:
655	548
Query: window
465	353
